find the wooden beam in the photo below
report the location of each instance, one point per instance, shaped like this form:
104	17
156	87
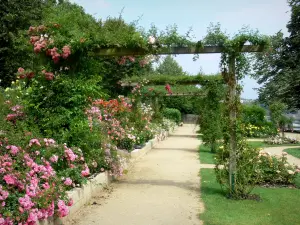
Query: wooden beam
170	50
186	94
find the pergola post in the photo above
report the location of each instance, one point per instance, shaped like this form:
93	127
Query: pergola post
232	123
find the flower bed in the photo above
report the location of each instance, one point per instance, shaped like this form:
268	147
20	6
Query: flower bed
281	140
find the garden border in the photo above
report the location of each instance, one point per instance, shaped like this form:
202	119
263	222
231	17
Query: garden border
83	195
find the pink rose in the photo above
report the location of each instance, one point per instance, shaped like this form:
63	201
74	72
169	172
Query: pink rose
62	209
34	142
86	171
68	181
54	158
9	179
13	149
21	70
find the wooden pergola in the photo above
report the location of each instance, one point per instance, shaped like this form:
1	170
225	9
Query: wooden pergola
200	50
171	50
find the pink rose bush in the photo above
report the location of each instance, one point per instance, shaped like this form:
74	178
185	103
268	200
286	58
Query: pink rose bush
31	189
33	186
16	114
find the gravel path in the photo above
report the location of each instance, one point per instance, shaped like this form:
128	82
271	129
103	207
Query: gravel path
279	150
163	188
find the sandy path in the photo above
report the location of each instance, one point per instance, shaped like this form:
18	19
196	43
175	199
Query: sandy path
279	150
163	188
292	135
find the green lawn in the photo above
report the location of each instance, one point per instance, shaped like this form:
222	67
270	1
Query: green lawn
293	151
279	206
206	157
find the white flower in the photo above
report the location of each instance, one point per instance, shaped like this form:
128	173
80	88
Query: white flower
151	40
291	172
46	35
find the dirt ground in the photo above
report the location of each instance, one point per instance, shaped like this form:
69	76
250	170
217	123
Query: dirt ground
163	188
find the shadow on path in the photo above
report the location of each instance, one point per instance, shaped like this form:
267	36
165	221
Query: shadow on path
185	185
178	149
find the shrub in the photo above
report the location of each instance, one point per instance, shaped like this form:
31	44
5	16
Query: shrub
246	168
266	130
275	140
30	188
275	169
253	167
254	115
172	114
254	119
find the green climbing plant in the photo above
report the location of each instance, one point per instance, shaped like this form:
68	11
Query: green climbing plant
234	66
211	116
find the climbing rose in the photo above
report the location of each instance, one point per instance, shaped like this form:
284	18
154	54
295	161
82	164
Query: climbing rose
48	75
21	70
66	51
11	117
151	40
168	88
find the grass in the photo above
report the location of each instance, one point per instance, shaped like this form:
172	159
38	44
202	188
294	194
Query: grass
278	206
206	156
293	151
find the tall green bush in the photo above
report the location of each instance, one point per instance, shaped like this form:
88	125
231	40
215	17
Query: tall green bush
210	121
254	119
172	114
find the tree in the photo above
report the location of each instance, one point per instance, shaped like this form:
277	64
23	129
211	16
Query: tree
169	66
279	69
15	19
277	110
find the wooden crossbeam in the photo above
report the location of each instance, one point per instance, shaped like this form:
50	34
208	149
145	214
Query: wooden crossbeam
185	94
171	50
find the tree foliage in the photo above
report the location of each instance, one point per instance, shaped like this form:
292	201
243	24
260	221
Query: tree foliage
279	69
170	66
15	17
277	110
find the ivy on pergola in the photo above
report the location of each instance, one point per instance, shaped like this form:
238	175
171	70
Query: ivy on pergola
232	63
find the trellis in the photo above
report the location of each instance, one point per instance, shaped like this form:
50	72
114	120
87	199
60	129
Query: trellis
231	81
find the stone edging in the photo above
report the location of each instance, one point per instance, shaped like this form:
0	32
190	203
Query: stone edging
84	194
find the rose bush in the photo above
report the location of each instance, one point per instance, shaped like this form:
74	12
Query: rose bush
30	189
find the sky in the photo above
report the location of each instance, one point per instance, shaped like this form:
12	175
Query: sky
268	16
